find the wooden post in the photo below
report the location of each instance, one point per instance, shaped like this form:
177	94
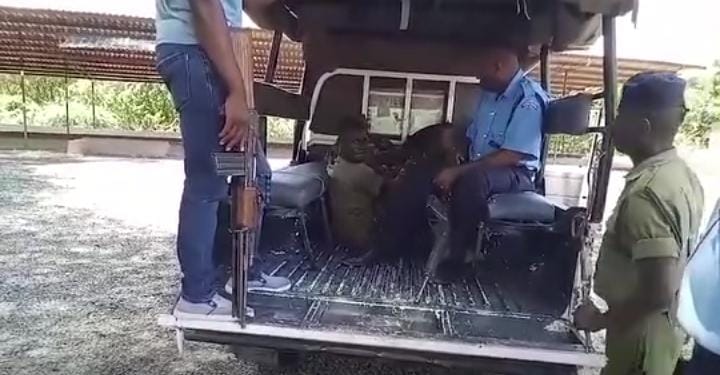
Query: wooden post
24	98
67	103
24	105
92	102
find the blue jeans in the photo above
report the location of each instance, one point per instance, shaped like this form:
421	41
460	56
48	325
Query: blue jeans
199	94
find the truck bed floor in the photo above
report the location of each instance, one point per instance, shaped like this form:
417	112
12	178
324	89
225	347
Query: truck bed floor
400	283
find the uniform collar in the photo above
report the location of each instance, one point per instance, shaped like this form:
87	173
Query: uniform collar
513	85
659	159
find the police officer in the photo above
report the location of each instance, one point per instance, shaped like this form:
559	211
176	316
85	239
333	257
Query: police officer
699	300
505	140
649	235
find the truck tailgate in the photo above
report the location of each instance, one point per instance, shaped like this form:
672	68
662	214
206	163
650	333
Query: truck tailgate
339	325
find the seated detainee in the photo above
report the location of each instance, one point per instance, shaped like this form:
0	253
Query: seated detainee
402	227
505	141
354	187
386	158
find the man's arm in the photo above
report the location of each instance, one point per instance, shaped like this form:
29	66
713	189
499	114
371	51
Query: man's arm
648	232
654	293
523	138
214	37
499	158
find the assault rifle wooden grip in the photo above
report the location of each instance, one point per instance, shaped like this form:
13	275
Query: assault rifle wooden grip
246	208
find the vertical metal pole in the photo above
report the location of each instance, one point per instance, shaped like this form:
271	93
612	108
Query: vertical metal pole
262	129
21	36
546	84
269	78
92	102
407	108
300	124
67	103
565	81
610	83
365	95
450	110
24	104
273	58
545	68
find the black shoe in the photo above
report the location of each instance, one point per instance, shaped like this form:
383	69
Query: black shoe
370	257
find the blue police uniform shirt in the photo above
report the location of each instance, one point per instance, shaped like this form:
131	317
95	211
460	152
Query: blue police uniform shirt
700	289
174	20
511	120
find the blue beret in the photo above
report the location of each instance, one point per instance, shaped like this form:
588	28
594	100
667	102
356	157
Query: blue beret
653	91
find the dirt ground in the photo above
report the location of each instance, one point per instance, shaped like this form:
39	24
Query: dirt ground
87	264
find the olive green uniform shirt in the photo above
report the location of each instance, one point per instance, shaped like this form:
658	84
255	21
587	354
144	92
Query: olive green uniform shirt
658	215
354	188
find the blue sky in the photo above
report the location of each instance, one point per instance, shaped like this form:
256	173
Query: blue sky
668	30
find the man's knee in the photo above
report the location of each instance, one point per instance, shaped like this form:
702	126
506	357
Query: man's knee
472	185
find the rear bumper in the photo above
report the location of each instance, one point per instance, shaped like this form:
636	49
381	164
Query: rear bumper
412	349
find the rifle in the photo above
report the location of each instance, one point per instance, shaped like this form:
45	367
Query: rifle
240	167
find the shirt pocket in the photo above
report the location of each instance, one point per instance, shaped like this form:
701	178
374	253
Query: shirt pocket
496	136
174	69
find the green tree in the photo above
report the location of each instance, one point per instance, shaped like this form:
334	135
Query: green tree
38	89
703	97
140	106
280	130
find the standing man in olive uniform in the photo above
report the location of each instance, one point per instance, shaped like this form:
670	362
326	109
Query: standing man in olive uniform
649	235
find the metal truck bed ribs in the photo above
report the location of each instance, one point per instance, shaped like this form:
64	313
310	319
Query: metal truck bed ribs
381	301
499	289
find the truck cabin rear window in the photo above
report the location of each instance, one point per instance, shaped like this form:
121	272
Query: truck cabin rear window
428	104
387	106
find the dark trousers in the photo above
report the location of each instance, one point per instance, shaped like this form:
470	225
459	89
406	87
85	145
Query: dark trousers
469	202
402	227
703	362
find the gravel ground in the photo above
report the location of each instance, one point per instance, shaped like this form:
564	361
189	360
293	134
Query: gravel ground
87	264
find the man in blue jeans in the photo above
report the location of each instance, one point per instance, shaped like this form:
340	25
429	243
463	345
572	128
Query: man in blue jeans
195	59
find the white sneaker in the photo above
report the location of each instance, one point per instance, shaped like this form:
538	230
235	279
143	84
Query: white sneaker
266	283
217	309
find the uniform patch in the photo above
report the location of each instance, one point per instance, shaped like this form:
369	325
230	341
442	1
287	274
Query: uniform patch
530	104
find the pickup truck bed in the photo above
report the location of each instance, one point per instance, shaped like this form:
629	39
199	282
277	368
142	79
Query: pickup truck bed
387	299
502	313
375	311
